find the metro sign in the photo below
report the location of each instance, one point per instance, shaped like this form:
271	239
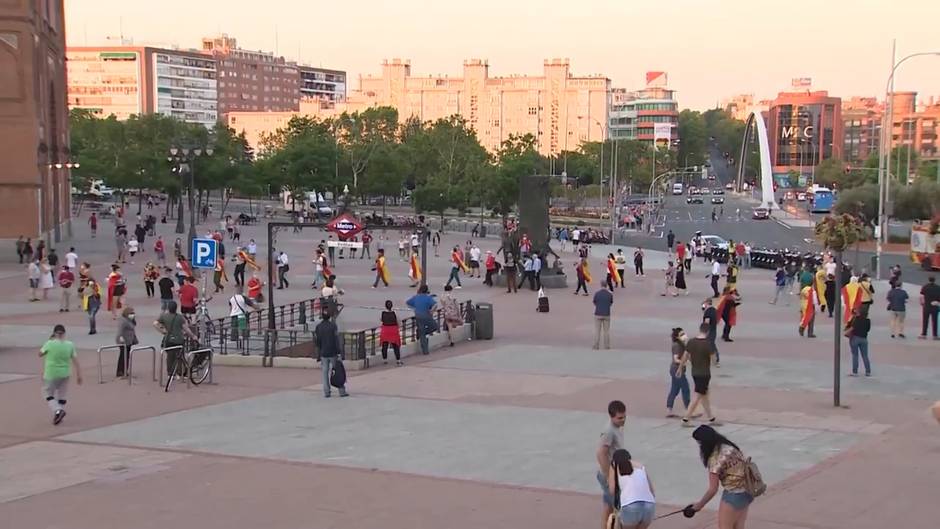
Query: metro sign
345	226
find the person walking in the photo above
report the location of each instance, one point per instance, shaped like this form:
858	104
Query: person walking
679	384
613	276
930	307
28	250
491	268
46	282
93	224
423	304
583	274
319	265
475	254
238	314
240	263
117	288
528	272
20	245
857	331
670	241
790	269
808	301
366	245
126	338
175	330
603	299
611	440
710	318
680	254
381	271
34	274
219	276
727	310
151	275
699	352
714	276
390	334
254	285
670	280
283	266
633	490
638	261
457	266
166	285
680	280
159	248
90	291
727	466
65	279
509	265
780	282
621	262
59	358
897	306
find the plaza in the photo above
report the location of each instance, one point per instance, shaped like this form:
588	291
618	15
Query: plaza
496	434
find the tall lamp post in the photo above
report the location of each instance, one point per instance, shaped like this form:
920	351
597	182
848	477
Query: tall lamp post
884	156
183	160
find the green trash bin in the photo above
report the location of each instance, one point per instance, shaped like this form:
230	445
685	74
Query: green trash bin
484	321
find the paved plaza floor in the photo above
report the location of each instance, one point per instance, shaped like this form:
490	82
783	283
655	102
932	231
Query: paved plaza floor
495	434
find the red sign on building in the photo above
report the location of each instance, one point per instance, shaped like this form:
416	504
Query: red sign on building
345	226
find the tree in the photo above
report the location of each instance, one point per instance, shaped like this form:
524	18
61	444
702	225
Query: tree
793	179
859	201
361	135
300	157
693	138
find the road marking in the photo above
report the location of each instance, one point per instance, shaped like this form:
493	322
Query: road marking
690	216
780	222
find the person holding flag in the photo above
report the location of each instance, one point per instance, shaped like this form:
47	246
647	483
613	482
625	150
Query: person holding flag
727	310
613	276
414	270
381	271
851	298
458	266
820	292
584	276
808	301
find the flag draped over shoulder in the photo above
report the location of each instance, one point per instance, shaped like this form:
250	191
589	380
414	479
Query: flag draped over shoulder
612	270
808	299
414	270
381	269
458	262
852	298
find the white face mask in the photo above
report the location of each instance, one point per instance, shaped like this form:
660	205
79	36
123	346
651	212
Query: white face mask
131	316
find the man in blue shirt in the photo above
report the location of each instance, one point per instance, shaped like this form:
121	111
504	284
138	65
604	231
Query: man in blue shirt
423	305
603	299
780	279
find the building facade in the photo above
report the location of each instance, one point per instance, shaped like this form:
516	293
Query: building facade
252	80
805	128
914	125
635	115
558	109
861	118
322	84
34	179
127	80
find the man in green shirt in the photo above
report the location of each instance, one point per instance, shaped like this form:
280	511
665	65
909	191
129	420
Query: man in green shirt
58	356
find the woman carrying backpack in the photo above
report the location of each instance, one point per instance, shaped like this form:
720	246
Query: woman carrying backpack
728	466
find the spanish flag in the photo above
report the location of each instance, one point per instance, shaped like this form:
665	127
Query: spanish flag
458	262
851	298
414	270
821	287
612	270
327	271
808	306
586	271
248	260
381	269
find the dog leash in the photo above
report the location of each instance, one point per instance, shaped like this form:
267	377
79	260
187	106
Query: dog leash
669	514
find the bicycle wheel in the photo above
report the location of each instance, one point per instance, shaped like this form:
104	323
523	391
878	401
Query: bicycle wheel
175	369
199	369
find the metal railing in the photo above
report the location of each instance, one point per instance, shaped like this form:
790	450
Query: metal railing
107	348
228	338
128	360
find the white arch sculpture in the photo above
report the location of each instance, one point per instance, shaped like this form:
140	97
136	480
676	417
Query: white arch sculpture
766	172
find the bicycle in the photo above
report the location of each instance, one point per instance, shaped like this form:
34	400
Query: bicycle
196	366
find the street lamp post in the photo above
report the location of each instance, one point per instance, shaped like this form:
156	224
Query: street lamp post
184	159
884	155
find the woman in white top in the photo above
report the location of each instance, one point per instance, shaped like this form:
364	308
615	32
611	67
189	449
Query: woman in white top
633	488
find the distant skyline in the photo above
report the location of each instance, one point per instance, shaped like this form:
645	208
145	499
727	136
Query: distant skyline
711	49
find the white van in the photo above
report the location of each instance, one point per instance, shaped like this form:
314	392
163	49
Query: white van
677	188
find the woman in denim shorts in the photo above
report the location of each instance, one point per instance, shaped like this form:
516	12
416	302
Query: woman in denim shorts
726	465
633	490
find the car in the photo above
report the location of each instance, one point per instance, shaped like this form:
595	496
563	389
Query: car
761	214
695	191
718	191
718	200
694	200
729	186
711	176
801	197
715	241
789	195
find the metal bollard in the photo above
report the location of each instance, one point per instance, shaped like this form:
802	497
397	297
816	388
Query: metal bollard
106	348
130	356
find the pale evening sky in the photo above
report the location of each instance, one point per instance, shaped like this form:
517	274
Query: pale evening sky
711	48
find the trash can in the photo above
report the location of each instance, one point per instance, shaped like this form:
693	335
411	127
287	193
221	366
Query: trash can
483	230
484	322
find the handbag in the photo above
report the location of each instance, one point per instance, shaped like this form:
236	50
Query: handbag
338	375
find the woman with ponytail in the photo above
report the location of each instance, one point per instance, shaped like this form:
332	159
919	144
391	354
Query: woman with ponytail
633	490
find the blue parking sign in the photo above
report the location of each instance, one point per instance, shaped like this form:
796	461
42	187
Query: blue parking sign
204	252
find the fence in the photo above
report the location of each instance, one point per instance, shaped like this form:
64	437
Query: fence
356	345
253	338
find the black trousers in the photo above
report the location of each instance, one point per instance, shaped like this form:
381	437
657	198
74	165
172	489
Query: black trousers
929	314
122	354
282	281
240	274
488	280
395	348
726	332
622	277
149	287
715	285
581	284
639	267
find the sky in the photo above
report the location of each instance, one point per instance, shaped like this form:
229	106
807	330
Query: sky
711	49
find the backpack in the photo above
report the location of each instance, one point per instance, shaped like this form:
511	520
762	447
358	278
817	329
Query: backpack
754	482
338	376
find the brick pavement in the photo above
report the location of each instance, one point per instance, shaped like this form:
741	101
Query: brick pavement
490	434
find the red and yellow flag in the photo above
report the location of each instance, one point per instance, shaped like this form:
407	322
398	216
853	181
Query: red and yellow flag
852	298
612	270
381	269
458	261
414	270
586	271
807	305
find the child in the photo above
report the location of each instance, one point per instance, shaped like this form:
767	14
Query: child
133	247
151	274
58	356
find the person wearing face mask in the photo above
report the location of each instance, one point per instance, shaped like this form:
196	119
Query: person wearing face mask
126	338
679	383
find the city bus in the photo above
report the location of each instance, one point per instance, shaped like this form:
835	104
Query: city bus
819	199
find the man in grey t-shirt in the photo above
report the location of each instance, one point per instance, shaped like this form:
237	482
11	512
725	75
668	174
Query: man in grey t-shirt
611	441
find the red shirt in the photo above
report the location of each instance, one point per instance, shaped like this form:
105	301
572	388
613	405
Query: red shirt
188	295
680	250
66	279
254	288
739	248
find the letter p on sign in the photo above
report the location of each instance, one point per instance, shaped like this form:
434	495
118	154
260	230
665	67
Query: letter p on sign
204	253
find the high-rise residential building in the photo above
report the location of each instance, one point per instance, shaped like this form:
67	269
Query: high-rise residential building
321	83
862	118
558	109
804	128
635	115
126	80
252	80
34	176
915	125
